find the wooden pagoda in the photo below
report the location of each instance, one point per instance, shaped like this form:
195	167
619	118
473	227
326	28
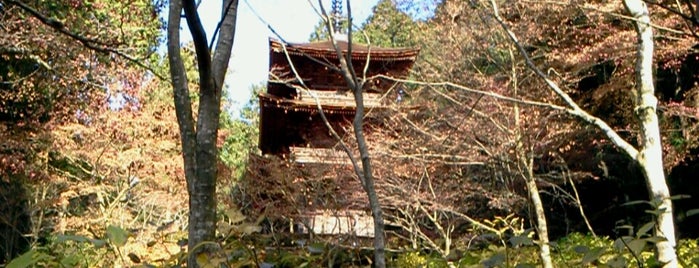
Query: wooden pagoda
302	78
290	125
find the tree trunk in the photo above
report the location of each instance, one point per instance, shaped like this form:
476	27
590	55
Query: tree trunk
368	182
650	156
366	176
199	145
541	224
528	173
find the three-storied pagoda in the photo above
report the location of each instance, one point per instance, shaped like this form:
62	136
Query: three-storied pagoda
290	125
313	182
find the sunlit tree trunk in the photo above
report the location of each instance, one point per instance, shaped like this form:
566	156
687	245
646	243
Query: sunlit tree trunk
526	168
650	156
541	224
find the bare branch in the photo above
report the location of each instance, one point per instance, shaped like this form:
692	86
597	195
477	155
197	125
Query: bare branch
688	17
614	14
574	109
92	44
476	91
200	45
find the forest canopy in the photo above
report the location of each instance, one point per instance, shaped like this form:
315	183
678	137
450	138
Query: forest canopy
507	102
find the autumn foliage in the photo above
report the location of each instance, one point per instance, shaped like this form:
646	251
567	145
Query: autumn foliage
452	147
85	117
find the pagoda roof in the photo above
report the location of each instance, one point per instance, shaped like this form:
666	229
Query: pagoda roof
325	49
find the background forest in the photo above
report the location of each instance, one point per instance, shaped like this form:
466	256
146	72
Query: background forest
91	169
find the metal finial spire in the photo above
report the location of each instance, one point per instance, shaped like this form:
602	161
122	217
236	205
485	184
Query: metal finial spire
336	14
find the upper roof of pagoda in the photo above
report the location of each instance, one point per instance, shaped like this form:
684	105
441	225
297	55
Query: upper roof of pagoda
325	49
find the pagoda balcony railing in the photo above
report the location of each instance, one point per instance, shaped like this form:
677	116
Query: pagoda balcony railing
334	222
308	155
336	98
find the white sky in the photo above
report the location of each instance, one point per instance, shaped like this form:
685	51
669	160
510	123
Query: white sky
294	20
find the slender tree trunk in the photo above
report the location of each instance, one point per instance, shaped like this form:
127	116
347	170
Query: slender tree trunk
541	223
528	164
366	176
650	157
368	182
185	119
199	145
202	189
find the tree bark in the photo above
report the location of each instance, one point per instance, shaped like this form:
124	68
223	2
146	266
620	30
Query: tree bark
366	177
527	163
368	182
224	46
650	157
541	223
185	120
199	145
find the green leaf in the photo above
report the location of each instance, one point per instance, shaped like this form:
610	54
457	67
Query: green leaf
680	196
637	246
117	236
655	213
692	212
71	260
592	255
655	239
617	262
495	260
521	240
580	249
202	259
27	259
98	243
468	258
644	229
624	227
76	238
619	243
637	202
656	202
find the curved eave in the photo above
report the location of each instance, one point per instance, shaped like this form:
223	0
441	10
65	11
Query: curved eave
359	52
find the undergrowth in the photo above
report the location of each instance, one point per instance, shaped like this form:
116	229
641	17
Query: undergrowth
244	246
